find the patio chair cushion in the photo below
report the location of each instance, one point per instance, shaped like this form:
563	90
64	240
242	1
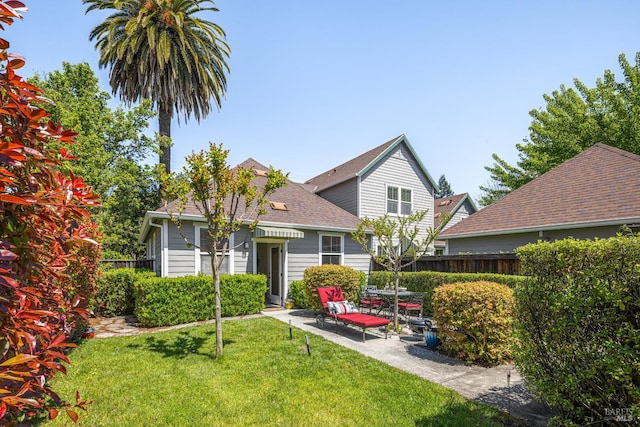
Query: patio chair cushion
341	307
362	320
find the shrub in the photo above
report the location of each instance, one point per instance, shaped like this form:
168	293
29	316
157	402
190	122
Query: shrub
165	301
298	294
475	320
577	321
427	281
331	275
114	296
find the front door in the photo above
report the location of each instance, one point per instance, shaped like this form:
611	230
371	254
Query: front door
274	276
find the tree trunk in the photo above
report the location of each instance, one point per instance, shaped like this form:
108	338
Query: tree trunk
164	124
218	306
395	301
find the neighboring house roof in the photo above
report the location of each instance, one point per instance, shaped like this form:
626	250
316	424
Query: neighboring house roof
598	187
449	205
303	209
360	165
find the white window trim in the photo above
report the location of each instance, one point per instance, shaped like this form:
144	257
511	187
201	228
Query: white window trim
197	258
341	253
386	199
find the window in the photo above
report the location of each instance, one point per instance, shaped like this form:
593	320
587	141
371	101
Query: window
330	249
399	200
205	259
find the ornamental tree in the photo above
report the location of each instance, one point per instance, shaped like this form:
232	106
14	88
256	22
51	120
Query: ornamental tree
48	251
226	197
399	244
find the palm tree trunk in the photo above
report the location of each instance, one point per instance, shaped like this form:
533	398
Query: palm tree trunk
164	124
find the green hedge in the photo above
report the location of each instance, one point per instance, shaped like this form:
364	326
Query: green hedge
114	293
427	281
579	327
475	321
172	301
298	294
347	278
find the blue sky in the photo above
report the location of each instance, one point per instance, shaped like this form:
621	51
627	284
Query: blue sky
315	84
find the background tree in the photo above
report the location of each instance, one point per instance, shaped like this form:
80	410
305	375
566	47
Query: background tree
48	254
444	189
227	198
160	50
399	244
111	149
573	120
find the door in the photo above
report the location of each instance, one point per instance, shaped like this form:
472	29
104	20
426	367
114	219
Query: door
274	276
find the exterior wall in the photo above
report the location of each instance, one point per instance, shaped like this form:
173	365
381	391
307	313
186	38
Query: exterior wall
344	195
243	258
398	168
303	253
354	256
509	242
181	258
459	215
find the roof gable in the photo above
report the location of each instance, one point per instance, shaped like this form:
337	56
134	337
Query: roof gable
360	165
598	186
449	206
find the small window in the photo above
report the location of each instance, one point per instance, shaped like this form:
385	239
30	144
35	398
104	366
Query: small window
399	200
205	242
278	206
331	250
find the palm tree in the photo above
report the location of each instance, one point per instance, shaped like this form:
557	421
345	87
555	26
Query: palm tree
159	49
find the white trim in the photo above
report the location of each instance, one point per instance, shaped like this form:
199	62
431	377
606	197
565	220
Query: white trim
165	248
320	253
594	224
285	271
197	260
358	195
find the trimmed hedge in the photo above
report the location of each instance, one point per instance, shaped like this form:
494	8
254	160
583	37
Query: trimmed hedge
578	321
298	294
114	293
427	281
346	277
475	321
172	301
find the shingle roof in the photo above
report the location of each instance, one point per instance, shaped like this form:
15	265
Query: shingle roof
445	206
304	209
598	186
348	169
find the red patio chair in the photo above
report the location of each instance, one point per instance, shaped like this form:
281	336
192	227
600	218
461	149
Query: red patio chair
334	294
412	303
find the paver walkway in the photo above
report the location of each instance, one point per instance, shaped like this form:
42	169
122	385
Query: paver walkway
501	386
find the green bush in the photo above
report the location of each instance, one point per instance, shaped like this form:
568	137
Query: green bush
427	281
578	324
331	275
171	301
114	293
475	320
298	294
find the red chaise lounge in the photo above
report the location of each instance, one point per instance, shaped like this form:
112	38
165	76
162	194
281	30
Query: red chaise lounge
333	294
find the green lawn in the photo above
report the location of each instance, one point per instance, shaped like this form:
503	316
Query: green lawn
264	379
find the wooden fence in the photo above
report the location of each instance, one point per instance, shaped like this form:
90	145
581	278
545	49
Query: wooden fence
128	263
476	263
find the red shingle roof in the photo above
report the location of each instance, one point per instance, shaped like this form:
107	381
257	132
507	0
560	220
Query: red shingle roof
599	185
445	206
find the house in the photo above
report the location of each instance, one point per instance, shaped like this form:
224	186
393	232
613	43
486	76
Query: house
452	209
389	179
591	195
305	224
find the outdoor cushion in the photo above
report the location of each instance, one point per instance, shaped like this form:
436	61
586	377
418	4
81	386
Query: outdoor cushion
362	320
341	307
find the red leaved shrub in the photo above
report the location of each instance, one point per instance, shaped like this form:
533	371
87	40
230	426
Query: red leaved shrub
48	250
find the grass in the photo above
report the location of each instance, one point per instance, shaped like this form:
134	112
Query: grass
263	379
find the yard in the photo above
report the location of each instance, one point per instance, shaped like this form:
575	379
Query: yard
172	379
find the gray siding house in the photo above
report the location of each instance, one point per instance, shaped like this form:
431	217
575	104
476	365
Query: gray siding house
389	179
448	211
589	196
305	225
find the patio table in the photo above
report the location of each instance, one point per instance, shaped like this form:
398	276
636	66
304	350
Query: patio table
387	295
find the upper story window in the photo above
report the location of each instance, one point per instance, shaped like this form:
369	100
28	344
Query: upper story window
399	200
331	251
